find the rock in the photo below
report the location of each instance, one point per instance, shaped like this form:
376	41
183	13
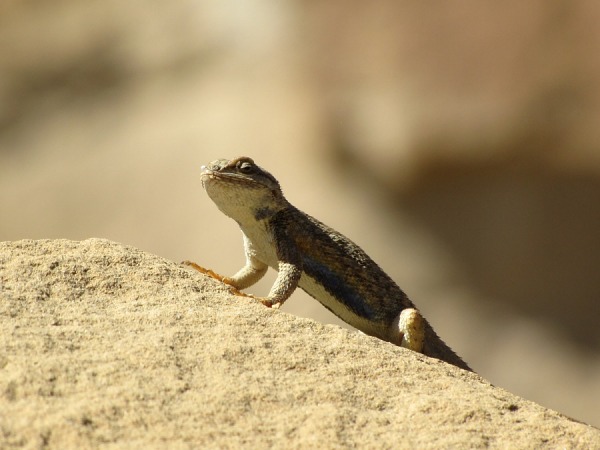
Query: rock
105	345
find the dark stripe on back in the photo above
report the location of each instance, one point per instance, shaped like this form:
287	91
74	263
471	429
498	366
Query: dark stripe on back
338	287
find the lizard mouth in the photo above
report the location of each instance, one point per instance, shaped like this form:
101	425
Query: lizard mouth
205	175
209	175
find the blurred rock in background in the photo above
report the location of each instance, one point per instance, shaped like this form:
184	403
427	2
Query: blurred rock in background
457	144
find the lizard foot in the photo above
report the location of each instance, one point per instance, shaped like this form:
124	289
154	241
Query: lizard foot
269	303
201	269
226	280
216	276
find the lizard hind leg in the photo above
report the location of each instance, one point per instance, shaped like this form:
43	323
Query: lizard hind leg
412	329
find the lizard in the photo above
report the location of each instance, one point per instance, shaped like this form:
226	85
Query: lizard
308	254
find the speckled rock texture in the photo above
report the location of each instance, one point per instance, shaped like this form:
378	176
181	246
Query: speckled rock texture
105	346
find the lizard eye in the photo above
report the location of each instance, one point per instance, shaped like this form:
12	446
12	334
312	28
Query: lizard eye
246	167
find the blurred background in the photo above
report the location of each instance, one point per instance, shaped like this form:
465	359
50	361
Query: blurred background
457	144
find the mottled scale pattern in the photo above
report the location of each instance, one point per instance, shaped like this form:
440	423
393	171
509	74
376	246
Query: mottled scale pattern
366	289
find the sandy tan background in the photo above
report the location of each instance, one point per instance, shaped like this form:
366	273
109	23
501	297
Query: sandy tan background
457	145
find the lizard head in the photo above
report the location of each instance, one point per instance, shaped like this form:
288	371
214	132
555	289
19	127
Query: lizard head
242	190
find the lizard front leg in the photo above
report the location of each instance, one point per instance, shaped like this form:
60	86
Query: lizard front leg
248	275
285	284
288	276
289	269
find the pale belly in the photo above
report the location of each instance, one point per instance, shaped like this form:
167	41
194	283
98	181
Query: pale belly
317	291
259	243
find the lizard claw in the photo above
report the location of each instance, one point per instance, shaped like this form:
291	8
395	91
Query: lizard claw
228	281
269	303
266	302
201	269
